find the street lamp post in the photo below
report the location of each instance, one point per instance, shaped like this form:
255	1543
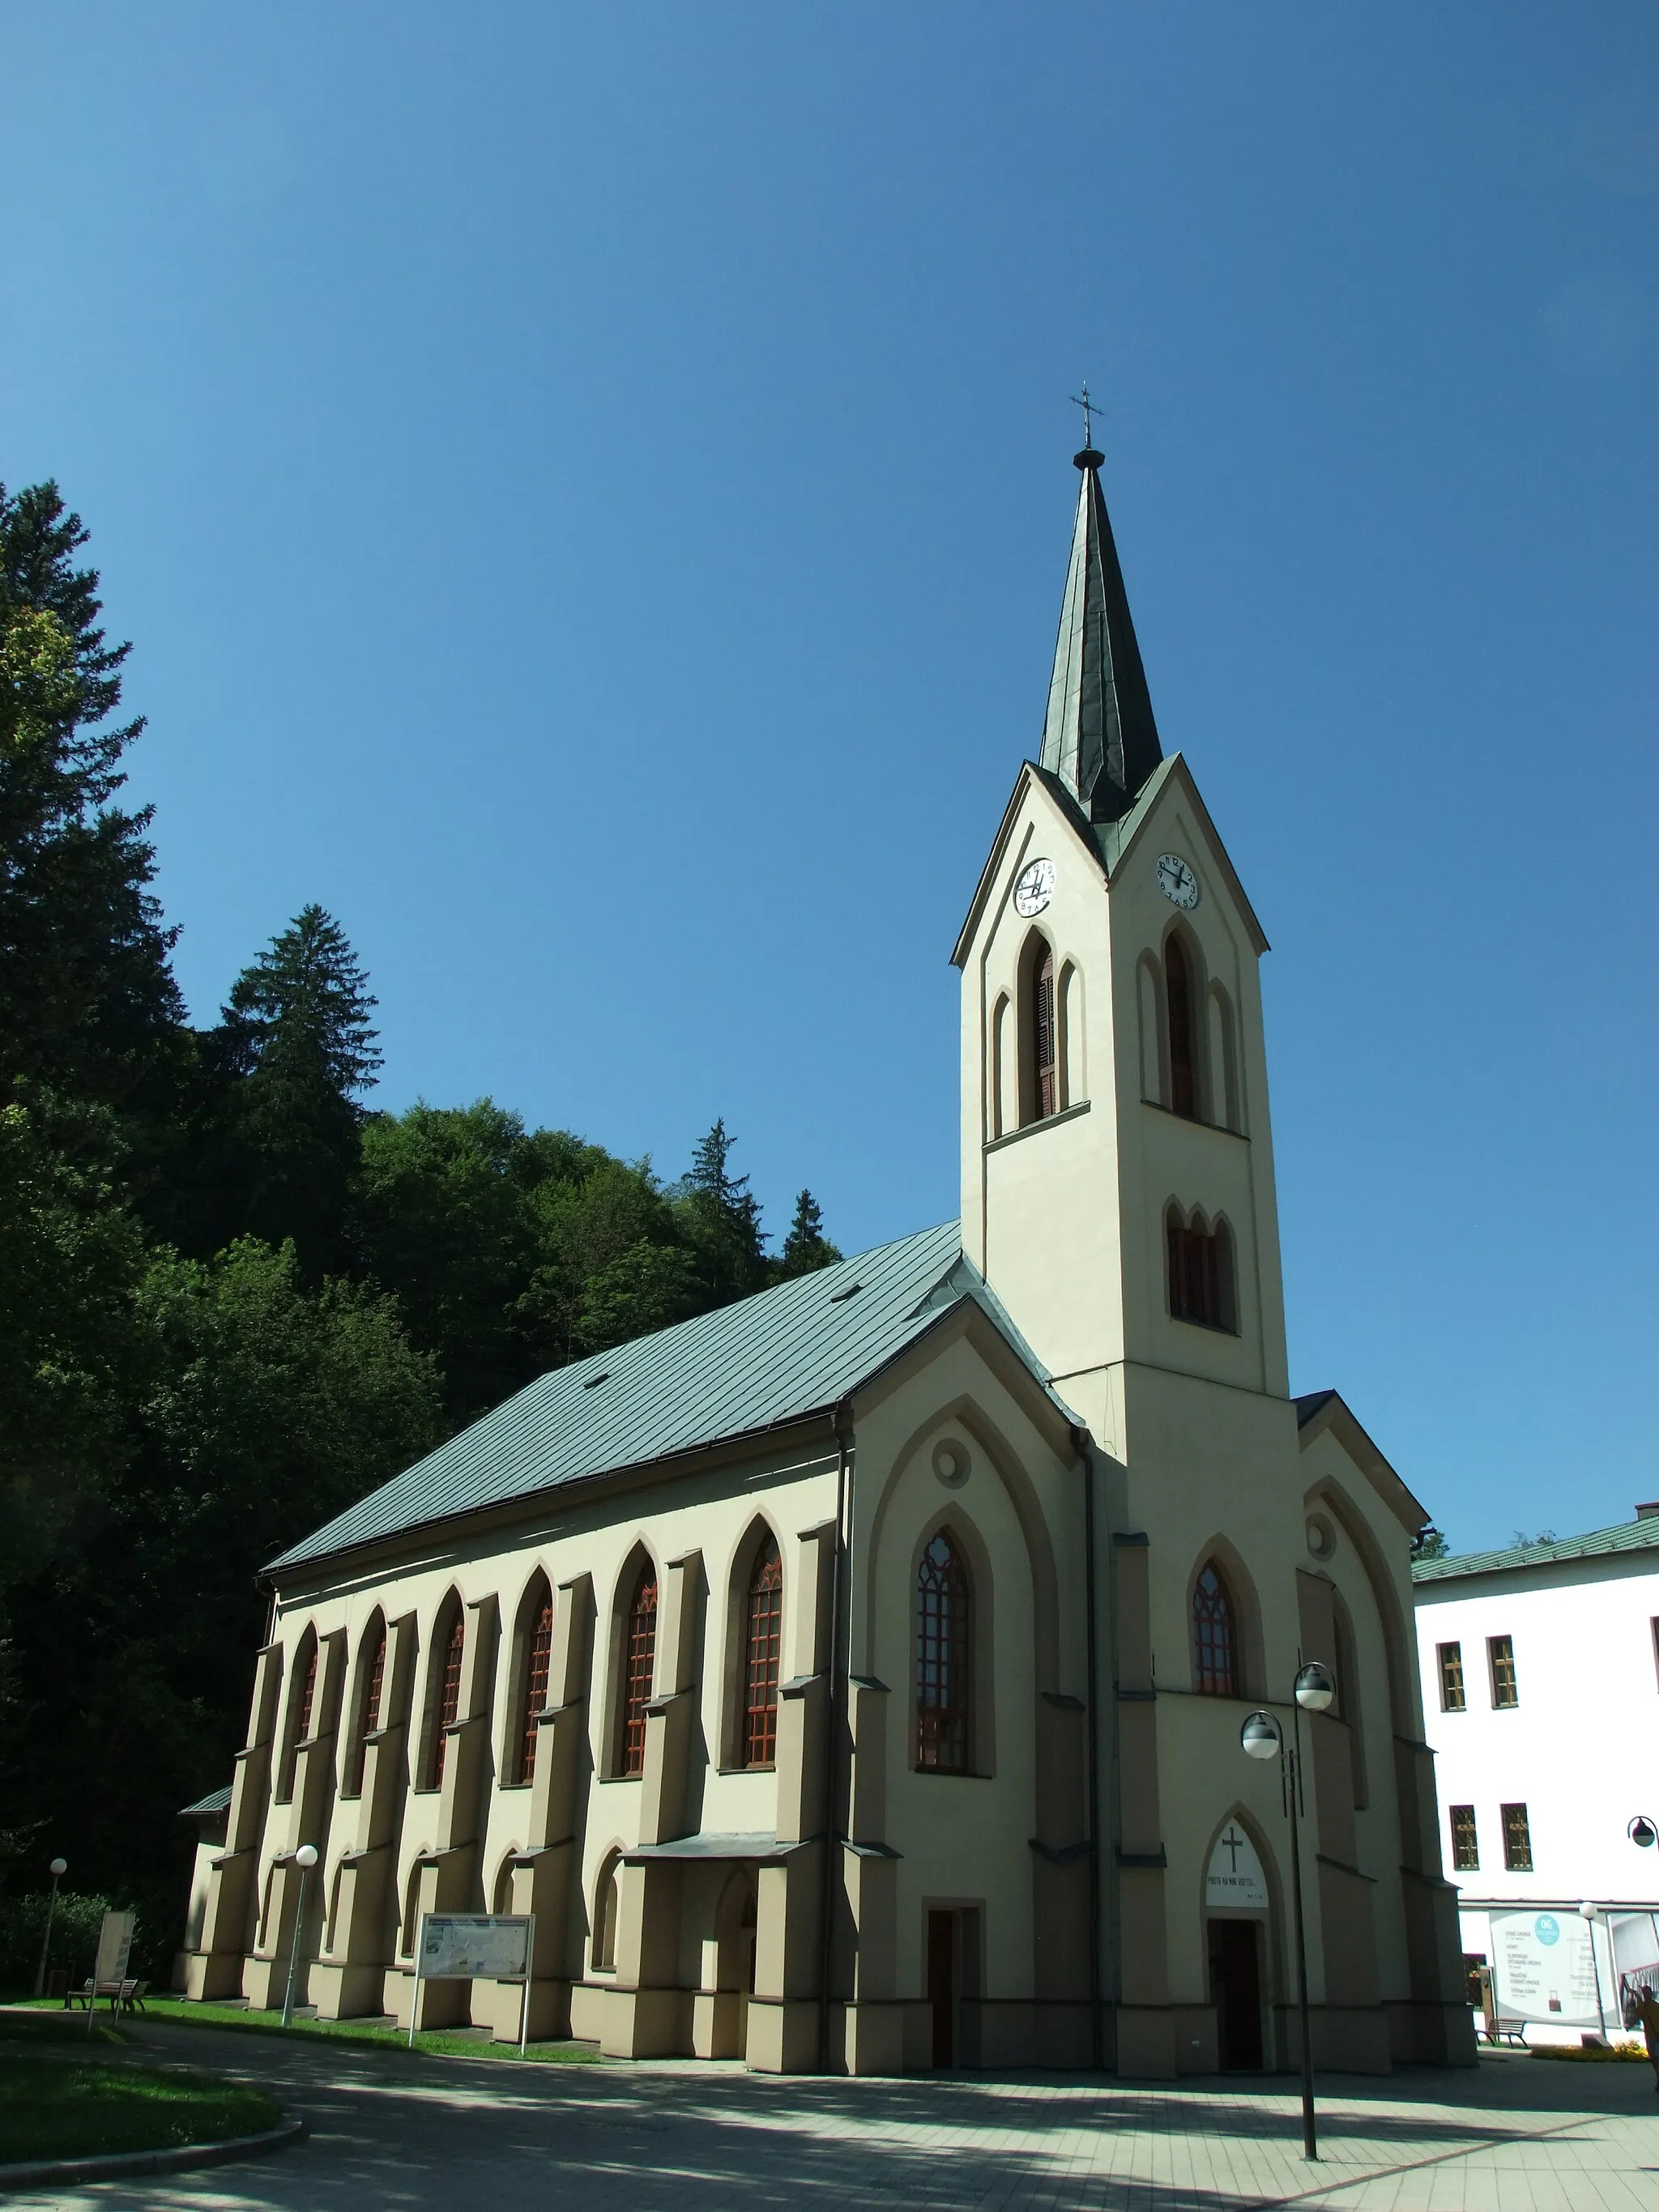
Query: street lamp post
1261	1737
305	1858
58	1870
1589	1914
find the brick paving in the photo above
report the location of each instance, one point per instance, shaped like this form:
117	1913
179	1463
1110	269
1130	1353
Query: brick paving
424	2134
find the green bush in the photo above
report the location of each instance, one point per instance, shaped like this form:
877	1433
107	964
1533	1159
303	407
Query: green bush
75	1926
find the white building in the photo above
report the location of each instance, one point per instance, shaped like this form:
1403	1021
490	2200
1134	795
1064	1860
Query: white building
1541	1695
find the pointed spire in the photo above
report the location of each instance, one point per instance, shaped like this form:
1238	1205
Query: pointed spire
1099	738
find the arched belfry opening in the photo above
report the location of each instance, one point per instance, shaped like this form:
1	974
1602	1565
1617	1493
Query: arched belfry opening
1039	1032
1181	1014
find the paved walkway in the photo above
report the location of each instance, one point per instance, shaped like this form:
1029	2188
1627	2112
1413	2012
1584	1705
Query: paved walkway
395	2134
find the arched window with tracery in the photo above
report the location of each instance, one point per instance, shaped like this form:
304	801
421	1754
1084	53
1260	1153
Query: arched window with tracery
449	1691
944	1658
1183	1044
1215	1635
762	1650
537	1668
639	1670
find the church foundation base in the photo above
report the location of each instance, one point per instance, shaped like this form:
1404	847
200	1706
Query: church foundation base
719	2026
1424	2033
264	1983
783	2035
1146	2041
212	1975
347	1992
647	2024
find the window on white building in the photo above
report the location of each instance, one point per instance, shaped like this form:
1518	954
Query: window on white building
1452	1699
1466	1849
1500	1659
1517	1840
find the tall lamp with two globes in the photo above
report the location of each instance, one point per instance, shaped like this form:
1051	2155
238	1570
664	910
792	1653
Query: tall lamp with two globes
1262	1737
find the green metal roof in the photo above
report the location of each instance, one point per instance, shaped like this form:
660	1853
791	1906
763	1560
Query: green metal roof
217	1800
1098	737
781	1356
1628	1536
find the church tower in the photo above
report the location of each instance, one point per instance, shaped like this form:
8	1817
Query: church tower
1118	1197
1117	1177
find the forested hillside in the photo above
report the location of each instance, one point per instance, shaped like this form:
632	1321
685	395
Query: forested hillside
233	1297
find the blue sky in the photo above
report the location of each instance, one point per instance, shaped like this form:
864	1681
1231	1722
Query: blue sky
589	490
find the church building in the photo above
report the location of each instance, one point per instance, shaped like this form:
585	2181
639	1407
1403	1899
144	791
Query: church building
852	1679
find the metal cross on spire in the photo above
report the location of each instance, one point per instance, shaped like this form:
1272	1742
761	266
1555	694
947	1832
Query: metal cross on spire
1087	405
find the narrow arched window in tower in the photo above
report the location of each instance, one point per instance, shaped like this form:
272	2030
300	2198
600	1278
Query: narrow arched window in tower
640	1661
1183	1053
1044	1082
537	1665
762	1653
449	1695
944	1658
1215	1640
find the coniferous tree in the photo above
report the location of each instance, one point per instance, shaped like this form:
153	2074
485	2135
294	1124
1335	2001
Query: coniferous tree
90	1005
296	1047
806	1248
723	1218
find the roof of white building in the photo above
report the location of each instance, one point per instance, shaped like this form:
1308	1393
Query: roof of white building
1638	1535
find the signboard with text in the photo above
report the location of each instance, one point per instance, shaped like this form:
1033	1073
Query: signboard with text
1543	1968
460	1947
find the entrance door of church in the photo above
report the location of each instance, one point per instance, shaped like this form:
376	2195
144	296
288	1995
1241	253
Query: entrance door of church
941	1984
1235	1991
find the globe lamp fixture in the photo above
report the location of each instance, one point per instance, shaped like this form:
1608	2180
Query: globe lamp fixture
1642	1832
1259	1736
1315	1687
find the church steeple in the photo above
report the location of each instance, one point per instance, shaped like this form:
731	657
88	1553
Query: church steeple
1099	737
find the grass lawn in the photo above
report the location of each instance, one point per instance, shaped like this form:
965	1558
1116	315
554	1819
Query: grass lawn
61	2099
439	2041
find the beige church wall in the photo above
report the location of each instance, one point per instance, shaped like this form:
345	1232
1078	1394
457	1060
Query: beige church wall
964	1840
714	1511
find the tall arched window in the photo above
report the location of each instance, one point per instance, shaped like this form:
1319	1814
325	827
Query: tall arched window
307	1697
1183	1045
376	1682
944	1658
761	1650
606	1899
1215	1635
1044	1082
371	1664
638	1669
449	1692
538	1666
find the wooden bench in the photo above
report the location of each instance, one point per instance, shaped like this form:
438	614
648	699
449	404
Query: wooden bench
1511	2031
123	1997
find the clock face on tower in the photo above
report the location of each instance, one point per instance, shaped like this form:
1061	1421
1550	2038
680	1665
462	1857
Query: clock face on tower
1177	881
1034	889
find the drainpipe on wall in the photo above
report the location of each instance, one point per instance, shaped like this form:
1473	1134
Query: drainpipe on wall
832	1729
1096	2040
